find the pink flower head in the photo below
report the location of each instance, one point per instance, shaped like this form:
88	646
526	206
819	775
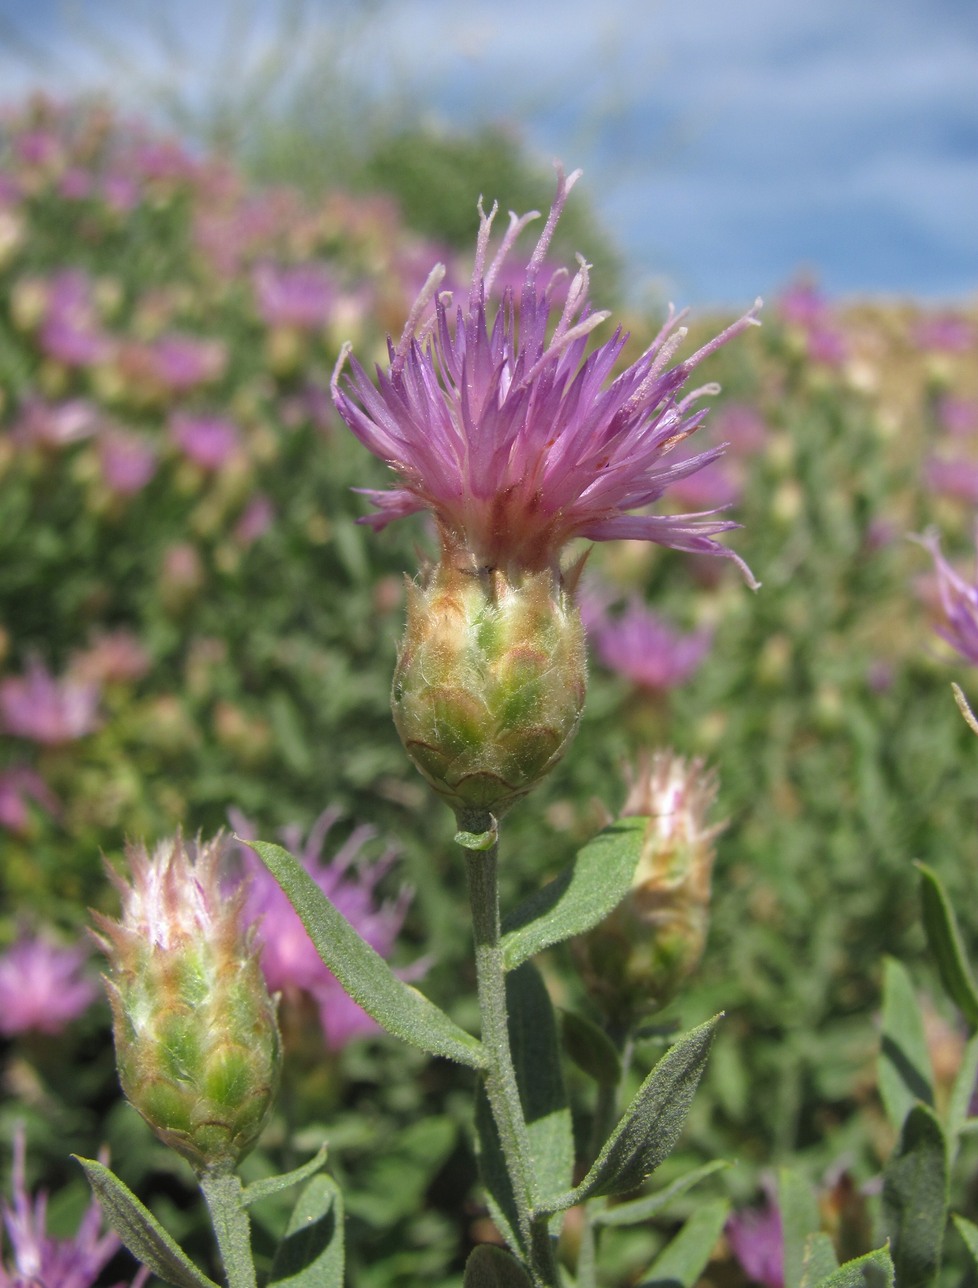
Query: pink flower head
40	1259
181	362
16	786
258	517
959	603
299	296
955	479
958	416
127	461
512	435
209	441
756	1239
44	709
41	987
648	650
289	960
56	424
71	332
945	333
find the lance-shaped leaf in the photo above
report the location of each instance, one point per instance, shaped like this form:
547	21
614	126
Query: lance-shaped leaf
820	1261
491	1267
905	1075
583	894
311	1254
947	946
685	1257
401	1010
650	1126
959	1104
590	1048
915	1183
874	1270
140	1231
637	1211
269	1185
799	1220
969	1233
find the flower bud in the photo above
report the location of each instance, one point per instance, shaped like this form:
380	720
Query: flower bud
490	682
196	1037
636	960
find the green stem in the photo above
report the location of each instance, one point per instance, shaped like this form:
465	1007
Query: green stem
605	1115
502	1089
222	1190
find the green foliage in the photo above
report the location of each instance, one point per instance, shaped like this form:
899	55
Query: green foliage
311	1255
915	1198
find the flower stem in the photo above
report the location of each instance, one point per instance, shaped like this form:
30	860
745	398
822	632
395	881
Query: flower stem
502	1089
222	1190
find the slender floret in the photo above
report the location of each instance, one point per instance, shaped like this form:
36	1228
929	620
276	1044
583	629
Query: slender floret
514	436
959	601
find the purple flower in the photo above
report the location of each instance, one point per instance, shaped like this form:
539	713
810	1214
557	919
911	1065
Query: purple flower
16	785
44	709
956	479
958	416
70	332
56	424
944	333
756	1239
209	441
127	461
289	960
181	362
39	1259
959	602
513	435
258	516
297	296
648	650
41	987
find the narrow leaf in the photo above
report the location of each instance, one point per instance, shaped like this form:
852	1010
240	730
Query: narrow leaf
140	1231
959	1105
311	1254
651	1125
269	1185
492	1267
969	1233
585	892
820	1260
947	946
915	1183
640	1210
874	1270
685	1257
799	1220
590	1048
904	1062
401	1010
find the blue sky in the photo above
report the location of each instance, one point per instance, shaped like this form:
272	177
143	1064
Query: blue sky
727	144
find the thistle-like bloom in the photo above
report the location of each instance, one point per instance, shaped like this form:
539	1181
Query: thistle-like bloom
42	988
196	1037
38	1258
517	439
756	1239
959	601
636	959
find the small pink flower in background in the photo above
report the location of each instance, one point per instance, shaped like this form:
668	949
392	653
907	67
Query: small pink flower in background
56	424
127	461
71	332
298	295
114	657
17	786
41	1261
714	487
182	362
120	192
804	307
955	479
75	184
208	441
45	709
958	416
646	649
945	333
756	1238
289	960
958	601
258	517
38	147
740	425
42	989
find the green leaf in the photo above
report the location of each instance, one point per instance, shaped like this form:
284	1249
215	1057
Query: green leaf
904	1069
269	1185
536	1059
640	1210
799	1220
140	1231
947	946
492	1267
874	1270
959	1103
590	1048
820	1261
969	1233
915	1182
585	892
685	1257
651	1125
311	1254
401	1010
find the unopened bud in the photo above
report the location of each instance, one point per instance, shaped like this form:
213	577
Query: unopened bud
490	683
196	1037
636	960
